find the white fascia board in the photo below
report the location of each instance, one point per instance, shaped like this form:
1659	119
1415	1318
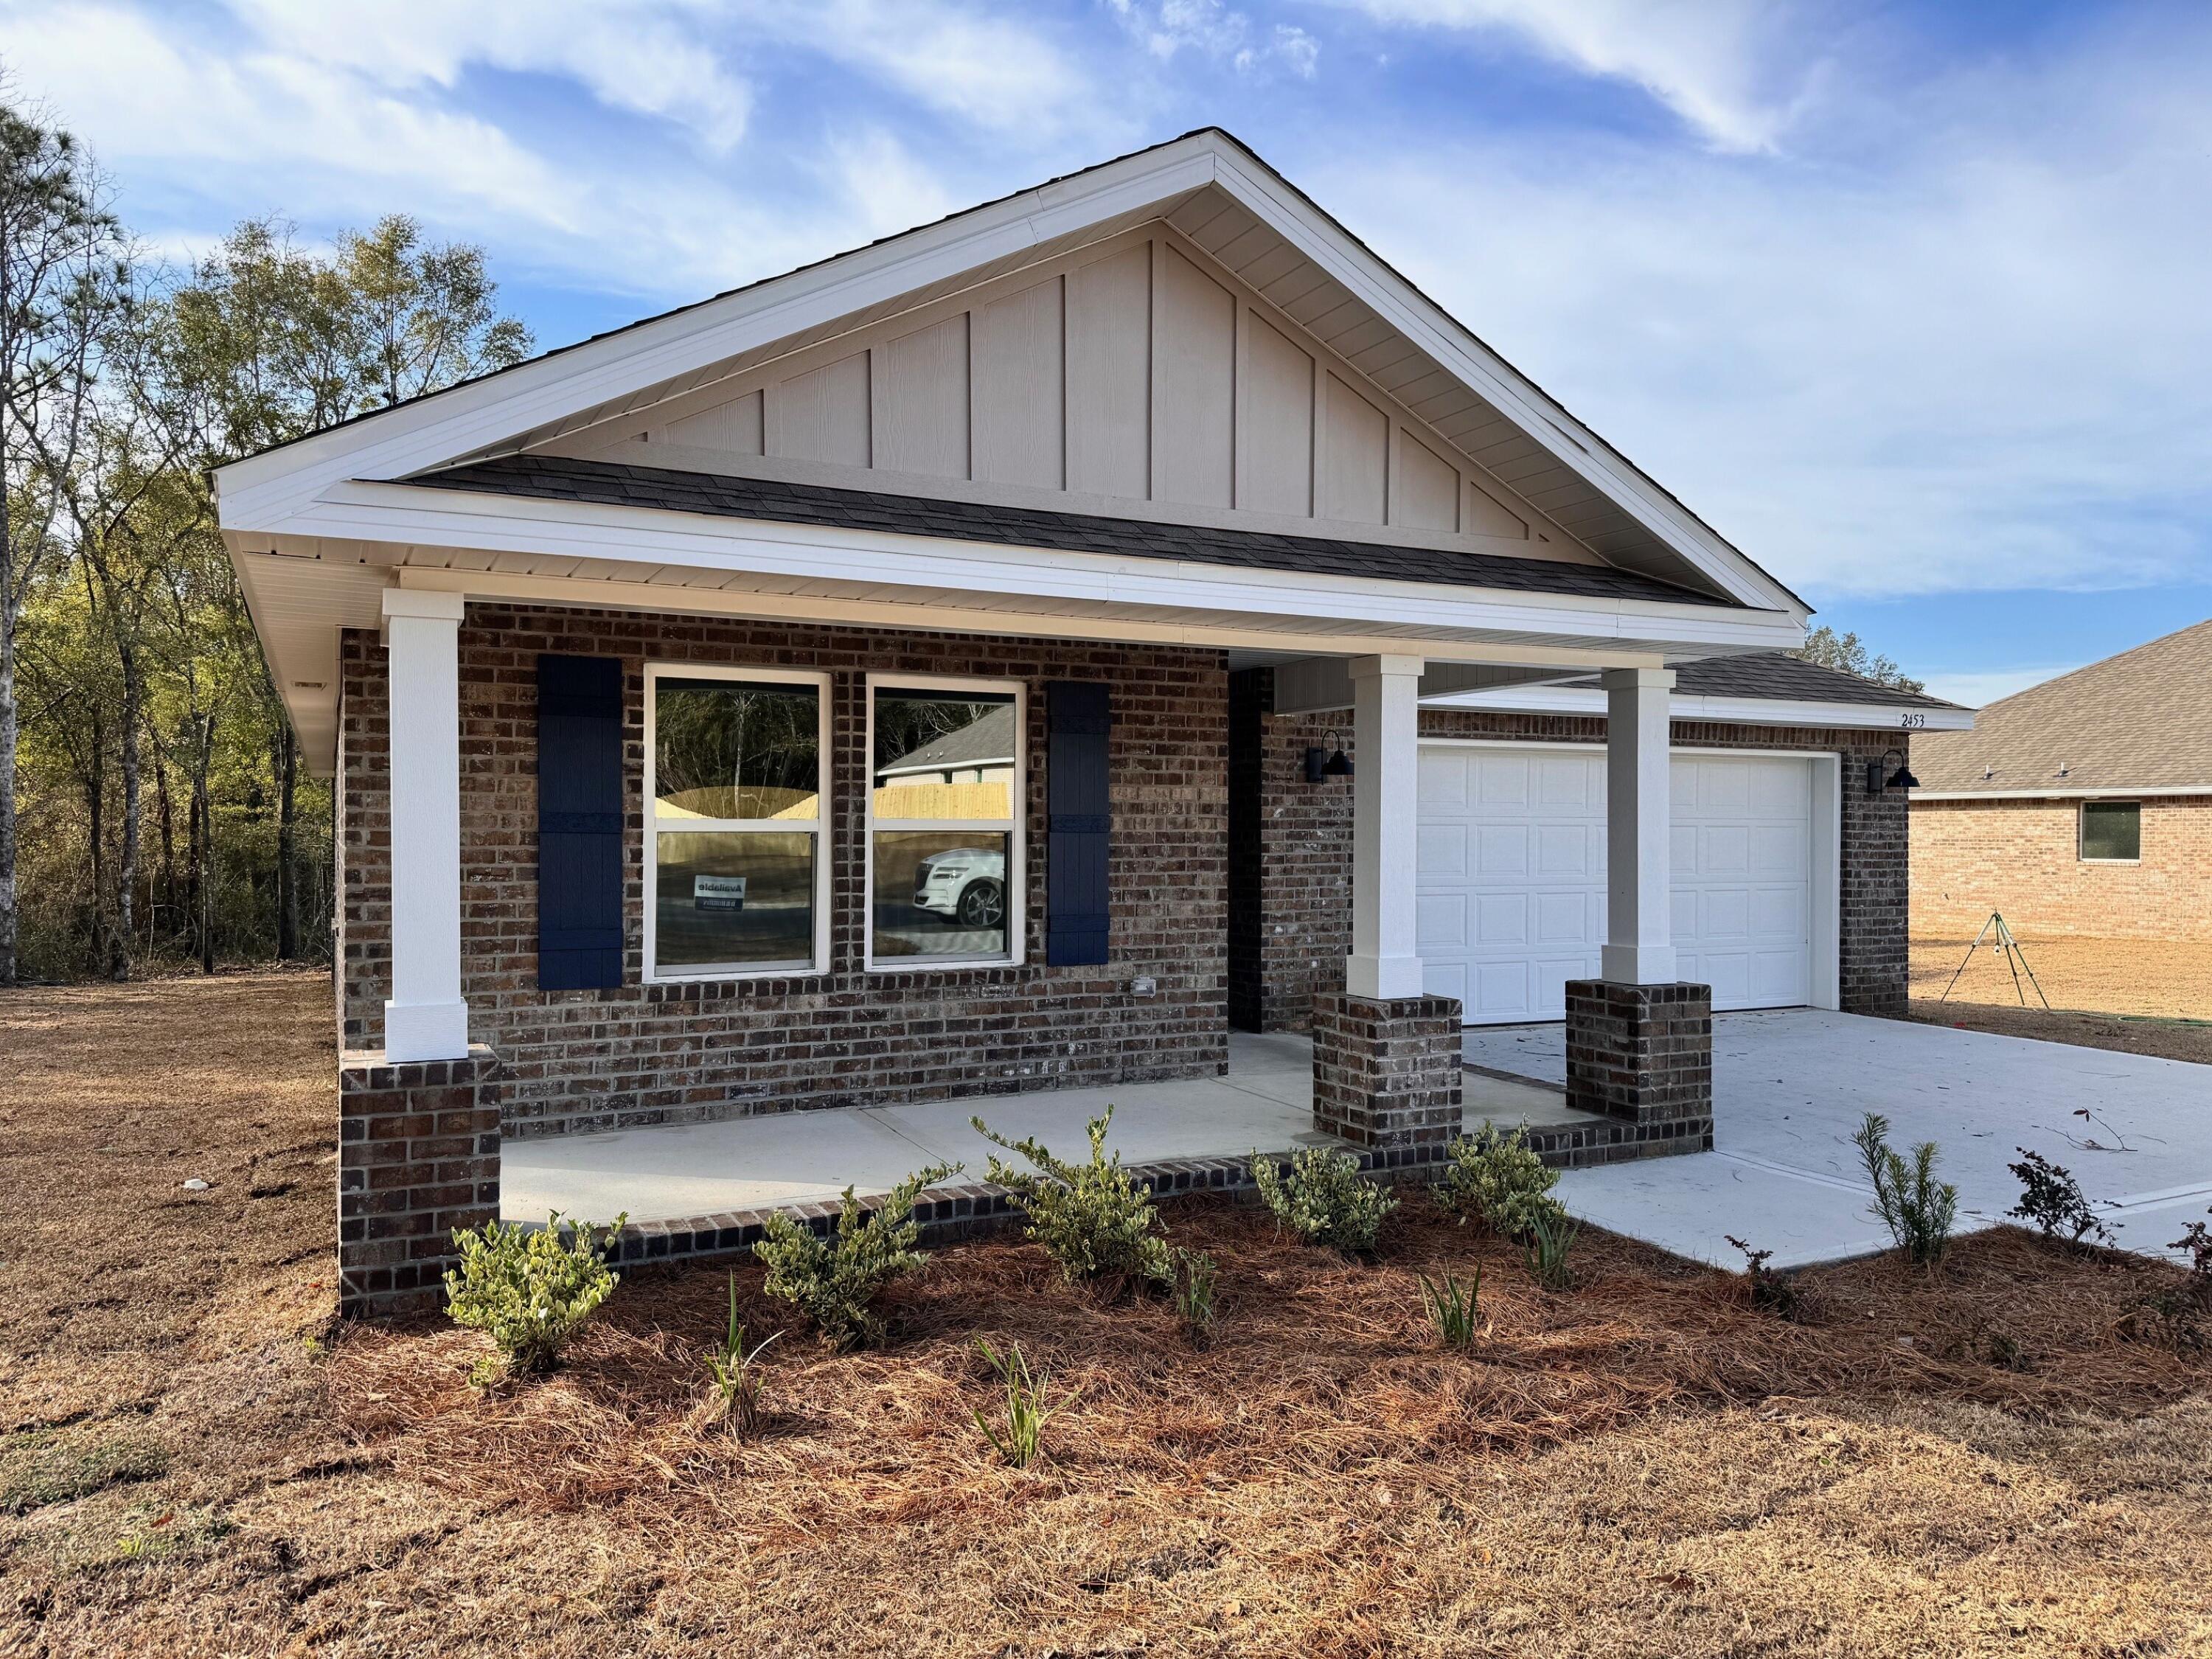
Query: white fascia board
262	492
1459	353
1740	711
2155	792
416	516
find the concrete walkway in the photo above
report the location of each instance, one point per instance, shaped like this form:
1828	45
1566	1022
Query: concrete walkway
1790	1089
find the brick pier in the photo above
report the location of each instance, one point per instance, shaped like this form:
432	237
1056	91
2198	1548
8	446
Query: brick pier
418	1156
1387	1074
1642	1055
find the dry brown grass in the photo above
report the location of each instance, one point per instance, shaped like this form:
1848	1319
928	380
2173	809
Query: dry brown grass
1973	1463
2141	996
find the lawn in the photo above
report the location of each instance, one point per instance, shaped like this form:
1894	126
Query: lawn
1991	1460
2146	996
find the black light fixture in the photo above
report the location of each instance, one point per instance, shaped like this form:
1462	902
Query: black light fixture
1900	779
1328	762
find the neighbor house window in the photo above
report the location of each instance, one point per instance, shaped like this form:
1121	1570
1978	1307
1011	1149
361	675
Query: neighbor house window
944	836
2111	832
736	876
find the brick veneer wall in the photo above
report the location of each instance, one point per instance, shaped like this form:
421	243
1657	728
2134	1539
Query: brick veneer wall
1302	929
418	1156
2022	857
643	1053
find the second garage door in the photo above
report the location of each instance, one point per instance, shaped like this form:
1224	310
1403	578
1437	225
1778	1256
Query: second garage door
1512	876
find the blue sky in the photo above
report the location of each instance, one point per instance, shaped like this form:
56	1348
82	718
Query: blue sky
1909	301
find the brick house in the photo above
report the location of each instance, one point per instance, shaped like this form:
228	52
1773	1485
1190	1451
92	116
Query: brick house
1009	655
2081	806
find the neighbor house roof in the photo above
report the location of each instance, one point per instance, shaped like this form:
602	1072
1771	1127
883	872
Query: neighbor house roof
2137	723
609	484
986	742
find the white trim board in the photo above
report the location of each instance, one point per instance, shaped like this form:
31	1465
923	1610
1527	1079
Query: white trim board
1743	711
2062	793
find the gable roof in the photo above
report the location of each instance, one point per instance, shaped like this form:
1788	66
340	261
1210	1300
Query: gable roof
989	741
611	483
2139	722
1232	202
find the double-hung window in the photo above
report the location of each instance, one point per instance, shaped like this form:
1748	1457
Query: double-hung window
945	821
737	866
2111	832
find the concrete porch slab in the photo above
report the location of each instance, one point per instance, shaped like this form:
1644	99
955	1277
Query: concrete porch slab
1789	1088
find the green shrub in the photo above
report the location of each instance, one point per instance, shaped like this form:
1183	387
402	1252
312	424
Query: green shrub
1497	1179
1771	1291
1091	1218
834	1280
1551	1239
1194	1276
1026	1411
2052	1199
1454	1308
734	1397
1916	1207
1324	1199
529	1289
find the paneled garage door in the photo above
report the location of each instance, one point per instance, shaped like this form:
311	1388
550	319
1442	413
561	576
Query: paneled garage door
1512	877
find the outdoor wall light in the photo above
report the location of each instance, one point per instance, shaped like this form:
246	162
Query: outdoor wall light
1900	779
1322	764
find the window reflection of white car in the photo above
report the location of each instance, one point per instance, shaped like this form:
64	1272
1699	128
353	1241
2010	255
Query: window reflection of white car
966	885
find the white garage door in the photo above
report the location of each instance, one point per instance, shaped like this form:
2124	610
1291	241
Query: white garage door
1512	877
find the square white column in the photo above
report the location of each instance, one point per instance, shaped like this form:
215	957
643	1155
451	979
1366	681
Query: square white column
1386	759
426	1018
1639	939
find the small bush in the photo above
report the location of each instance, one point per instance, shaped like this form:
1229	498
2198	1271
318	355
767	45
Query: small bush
1194	1276
834	1280
2196	1239
1771	1291
530	1290
1916	1207
1324	1199
1455	1310
1496	1178
2053	1200
1091	1218
1551	1239
1026	1411
733	1395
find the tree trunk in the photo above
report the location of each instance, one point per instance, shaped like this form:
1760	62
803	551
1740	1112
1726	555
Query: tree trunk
204	816
126	863
9	725
288	877
165	819
95	818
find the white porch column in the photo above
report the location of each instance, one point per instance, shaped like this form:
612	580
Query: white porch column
1386	694
1639	939
426	1018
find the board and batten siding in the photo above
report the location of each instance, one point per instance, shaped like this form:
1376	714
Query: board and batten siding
1137	375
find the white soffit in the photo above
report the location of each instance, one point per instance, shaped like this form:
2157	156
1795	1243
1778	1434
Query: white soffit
1741	711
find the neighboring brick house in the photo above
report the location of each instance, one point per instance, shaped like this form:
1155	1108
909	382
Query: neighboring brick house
2080	806
895	680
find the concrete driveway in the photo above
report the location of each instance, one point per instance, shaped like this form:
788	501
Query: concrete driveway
1791	1088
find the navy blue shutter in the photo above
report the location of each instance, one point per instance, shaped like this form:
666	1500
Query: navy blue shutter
1079	722
580	825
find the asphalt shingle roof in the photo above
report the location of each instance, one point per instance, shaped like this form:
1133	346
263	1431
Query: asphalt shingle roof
1785	678
618	484
2140	720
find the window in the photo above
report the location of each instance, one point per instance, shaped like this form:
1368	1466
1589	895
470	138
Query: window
735	869
945	833
2111	832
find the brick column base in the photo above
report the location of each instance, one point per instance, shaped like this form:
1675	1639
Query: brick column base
1386	1074
418	1156
1642	1055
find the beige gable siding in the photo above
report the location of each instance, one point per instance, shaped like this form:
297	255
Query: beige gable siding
1134	376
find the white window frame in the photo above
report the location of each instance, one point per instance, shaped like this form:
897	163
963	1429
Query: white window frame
1015	826
2081	831
655	826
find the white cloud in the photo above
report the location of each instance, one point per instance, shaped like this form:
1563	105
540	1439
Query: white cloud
1959	343
1724	66
1980	688
1212	29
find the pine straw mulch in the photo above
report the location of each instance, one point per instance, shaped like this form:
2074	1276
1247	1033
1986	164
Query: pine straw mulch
1324	1402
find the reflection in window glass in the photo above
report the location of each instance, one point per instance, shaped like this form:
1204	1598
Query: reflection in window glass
944	756
744	901
732	749
939	893
2111	829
